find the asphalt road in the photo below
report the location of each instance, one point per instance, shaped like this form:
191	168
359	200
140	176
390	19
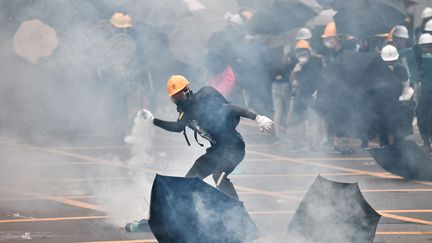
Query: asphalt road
71	190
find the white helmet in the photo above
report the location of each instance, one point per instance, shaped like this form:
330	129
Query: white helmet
303	34
401	31
425	39
389	53
427	13
428	26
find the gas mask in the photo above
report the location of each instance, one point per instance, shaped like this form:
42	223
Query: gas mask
181	97
302	57
328	43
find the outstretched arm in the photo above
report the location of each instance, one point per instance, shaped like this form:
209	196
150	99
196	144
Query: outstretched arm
170	126
264	123
235	110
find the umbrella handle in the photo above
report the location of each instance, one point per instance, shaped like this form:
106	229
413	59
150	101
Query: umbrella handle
219	181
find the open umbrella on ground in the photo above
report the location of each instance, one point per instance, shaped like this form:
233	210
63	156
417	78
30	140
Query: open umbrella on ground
34	40
366	18
185	210
406	159
334	212
280	16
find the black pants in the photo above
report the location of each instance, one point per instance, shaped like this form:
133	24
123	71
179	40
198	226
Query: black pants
216	160
424	115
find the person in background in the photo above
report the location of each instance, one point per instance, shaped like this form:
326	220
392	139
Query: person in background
280	65
118	70
334	42
424	107
304	81
398	115
426	15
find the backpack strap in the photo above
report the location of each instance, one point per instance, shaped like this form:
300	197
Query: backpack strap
186	137
196	138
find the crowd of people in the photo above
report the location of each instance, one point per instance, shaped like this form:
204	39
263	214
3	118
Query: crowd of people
313	105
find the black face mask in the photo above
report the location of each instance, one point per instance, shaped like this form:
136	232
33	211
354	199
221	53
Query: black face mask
184	103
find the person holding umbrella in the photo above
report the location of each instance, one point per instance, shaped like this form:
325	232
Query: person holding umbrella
211	116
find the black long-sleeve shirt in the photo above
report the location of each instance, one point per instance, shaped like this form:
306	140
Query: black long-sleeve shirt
221	131
180	124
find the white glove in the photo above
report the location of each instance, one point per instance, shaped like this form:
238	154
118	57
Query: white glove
264	123
145	114
297	68
407	94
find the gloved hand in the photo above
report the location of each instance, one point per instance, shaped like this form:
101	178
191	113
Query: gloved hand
145	114
264	123
407	94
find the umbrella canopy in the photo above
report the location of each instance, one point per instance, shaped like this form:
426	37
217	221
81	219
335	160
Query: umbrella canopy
280	17
334	212
368	17
189	210
323	18
189	38
355	90
34	40
406	159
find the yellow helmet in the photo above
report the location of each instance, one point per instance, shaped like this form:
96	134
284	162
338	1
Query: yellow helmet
330	30
176	83
302	44
121	21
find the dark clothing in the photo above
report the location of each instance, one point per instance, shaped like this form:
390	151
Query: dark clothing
396	117
424	115
424	108
216	122
308	79
215	161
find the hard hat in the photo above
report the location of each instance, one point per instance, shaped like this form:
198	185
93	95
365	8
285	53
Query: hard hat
176	83
302	44
425	39
428	26
401	31
389	53
121	21
427	13
303	34
330	30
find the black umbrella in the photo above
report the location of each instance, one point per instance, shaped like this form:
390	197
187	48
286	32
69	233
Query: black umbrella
280	17
366	18
355	90
406	159
334	212
400	5
189	210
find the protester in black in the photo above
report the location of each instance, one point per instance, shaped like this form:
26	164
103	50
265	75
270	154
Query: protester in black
211	116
